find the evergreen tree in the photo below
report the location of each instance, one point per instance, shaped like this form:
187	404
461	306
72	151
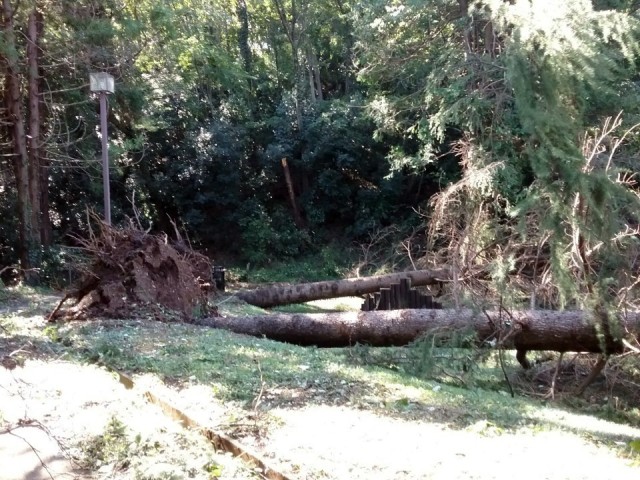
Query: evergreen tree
515	90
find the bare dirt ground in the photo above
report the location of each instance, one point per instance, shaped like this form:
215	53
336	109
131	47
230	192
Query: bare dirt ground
341	442
66	405
62	419
57	413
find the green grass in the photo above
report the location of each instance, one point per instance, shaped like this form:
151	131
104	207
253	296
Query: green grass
110	447
329	263
236	368
299	308
453	389
230	363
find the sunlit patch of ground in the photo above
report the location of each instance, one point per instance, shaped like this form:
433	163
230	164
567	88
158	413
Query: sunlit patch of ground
341	304
341	443
318	441
67	420
89	426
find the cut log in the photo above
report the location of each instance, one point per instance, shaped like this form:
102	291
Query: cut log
567	331
304	292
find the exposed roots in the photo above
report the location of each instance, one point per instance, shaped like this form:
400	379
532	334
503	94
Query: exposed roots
131	270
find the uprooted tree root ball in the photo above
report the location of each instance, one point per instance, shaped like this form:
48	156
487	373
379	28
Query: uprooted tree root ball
131	272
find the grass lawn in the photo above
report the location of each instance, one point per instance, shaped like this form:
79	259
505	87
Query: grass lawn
298	406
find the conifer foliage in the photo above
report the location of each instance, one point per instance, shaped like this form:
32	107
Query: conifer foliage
528	94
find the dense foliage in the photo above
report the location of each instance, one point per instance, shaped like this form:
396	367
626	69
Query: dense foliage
493	109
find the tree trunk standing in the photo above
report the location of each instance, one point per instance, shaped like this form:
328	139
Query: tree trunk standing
468	34
297	218
490	42
569	331
282	295
243	38
45	221
34	140
312	85
314	77
273	36
13	99
46	233
347	66
292	31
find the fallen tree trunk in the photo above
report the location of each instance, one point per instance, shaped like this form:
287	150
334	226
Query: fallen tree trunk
567	331
304	292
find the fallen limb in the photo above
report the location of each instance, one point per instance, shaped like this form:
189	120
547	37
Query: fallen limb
595	371
55	311
303	292
566	331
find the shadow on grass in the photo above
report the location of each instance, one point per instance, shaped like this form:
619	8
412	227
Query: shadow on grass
21	301
22	347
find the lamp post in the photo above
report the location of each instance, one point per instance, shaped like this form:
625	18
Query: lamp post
102	83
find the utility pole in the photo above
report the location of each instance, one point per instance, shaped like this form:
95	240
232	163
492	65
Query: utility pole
103	84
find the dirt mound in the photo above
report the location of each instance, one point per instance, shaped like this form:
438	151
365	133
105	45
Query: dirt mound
132	271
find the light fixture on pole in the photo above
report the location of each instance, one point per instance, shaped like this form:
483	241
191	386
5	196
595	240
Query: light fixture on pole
102	83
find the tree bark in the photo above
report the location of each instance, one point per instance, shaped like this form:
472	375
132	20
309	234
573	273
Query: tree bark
43	159
304	292
312	85
13	99
243	38
567	331
315	84
35	121
297	218
293	30
46	232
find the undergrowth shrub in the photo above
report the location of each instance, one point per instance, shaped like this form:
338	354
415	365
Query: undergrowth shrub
442	355
270	236
327	263
59	266
112	446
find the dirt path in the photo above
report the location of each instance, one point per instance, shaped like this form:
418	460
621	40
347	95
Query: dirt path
344	443
82	423
75	403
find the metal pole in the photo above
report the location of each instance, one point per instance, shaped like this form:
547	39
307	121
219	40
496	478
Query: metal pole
105	158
